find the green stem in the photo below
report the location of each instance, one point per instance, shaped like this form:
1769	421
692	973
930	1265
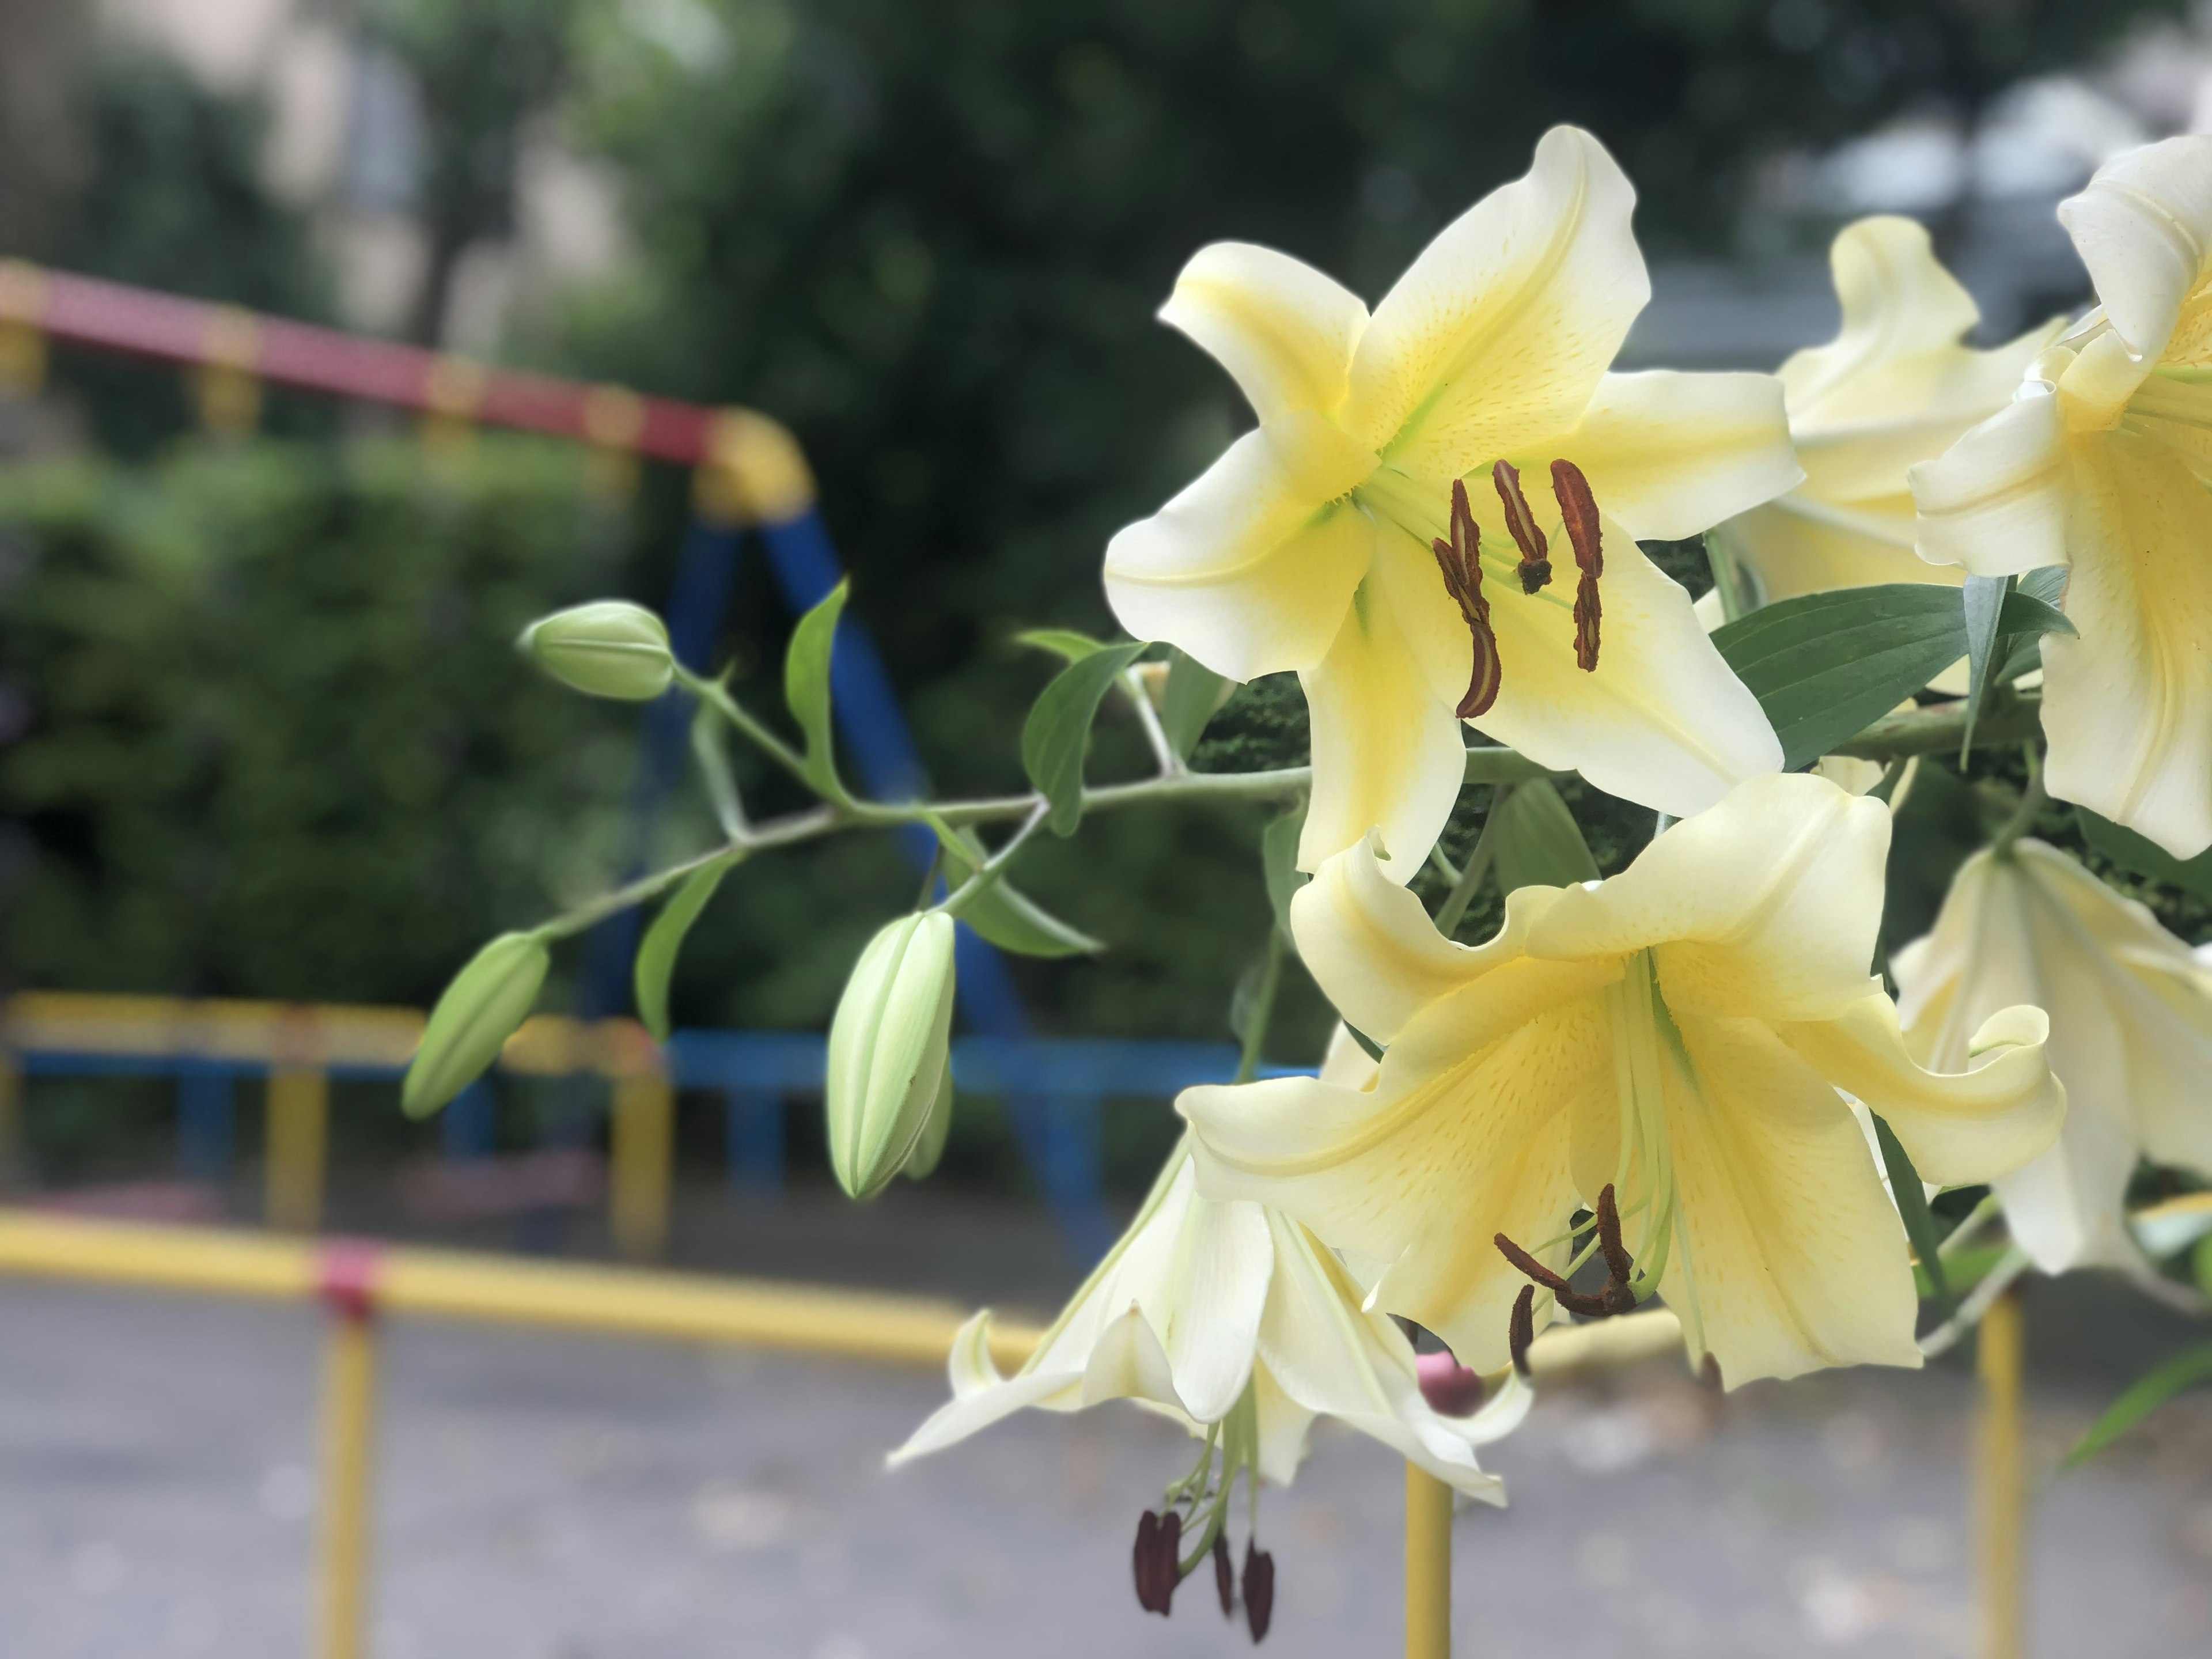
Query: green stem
994	866
2032	801
1937	731
716	696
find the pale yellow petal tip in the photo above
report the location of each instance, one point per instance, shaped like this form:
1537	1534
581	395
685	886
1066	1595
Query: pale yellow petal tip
2018	1027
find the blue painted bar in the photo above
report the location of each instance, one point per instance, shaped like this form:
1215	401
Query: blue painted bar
207	1121
753	1130
469	1128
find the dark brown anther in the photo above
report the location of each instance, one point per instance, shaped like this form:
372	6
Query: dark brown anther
1460	560
1535	552
1259	1591
1590	1307
1451	1389
1578	508
1521	1330
1617	1296
1618	1262
1225	1576
1158	1560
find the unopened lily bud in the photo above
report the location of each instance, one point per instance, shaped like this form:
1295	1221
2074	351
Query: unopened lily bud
477	1013
1451	1389
921	1163
887	1050
610	648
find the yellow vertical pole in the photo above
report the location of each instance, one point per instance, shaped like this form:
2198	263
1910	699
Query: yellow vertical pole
2001	1497
1428	1565
298	1140
643	1151
346	1498
11	1121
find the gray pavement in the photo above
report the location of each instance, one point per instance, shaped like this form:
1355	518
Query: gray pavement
547	1498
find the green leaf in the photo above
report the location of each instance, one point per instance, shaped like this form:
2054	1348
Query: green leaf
2145	856
656	955
1485	764
1983	599
1825	667
1278	863
2185	1370
1368	1045
1912	1195
1058	729
1062	641
2031	613
2046	583
1005	916
1195	693
1962	1270
806	689
1536	842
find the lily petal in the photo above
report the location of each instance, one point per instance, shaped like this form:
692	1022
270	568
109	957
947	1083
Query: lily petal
1498	333
1787	936
1670	455
1663	721
1410	1181
1996	500
1898	302
1284	331
2128	704
1251	569
981	1397
1386	754
1790	1257
1958	1127
1373	949
1334	1359
2144	227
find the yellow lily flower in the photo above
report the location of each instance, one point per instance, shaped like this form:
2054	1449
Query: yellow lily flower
2101	462
1327	540
1894	387
2130	1035
1203	1306
1680	1038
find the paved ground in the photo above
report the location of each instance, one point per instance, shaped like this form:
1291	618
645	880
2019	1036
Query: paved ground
552	1498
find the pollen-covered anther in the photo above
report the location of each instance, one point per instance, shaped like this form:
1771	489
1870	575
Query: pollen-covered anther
1460	560
1535	552
1159	1544
1617	1296
1578	509
1521	1328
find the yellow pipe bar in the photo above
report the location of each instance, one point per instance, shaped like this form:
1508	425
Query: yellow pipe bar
1428	1565
642	1148
298	1112
2001	1492
345	1498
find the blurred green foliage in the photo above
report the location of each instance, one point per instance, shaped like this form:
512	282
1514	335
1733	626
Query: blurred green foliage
279	741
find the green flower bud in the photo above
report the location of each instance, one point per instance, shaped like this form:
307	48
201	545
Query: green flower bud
921	1163
610	648
478	1012
887	1050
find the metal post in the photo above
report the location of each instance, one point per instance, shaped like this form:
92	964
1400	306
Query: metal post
753	1136
2000	1498
11	1122
298	1133
204	1123
1428	1565
345	1490
643	1144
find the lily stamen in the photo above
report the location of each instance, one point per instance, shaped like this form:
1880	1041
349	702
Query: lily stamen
1579	509
1618	1296
1535	551
1460	560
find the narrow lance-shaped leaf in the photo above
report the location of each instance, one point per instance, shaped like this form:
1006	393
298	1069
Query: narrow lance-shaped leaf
1912	1195
1063	642
806	689
2184	1371
1194	692
656	955
1279	864
1001	913
1983	599
1535	840
2145	856
1058	731
1825	667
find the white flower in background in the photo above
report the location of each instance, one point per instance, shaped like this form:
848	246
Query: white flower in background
1677	1036
2102	462
2130	1035
1326	541
1200	1301
1894	387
